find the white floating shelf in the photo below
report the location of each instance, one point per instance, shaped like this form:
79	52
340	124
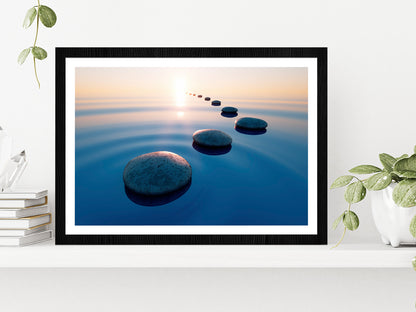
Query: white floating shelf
47	255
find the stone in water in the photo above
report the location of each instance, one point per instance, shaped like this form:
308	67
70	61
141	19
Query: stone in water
251	123
212	138
229	109
157	173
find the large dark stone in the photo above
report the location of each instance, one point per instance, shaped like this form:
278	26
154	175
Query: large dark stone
157	173
212	138
251	123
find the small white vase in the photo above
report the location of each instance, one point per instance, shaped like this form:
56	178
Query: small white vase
391	220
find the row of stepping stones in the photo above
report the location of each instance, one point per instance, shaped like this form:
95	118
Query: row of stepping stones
166	174
247	125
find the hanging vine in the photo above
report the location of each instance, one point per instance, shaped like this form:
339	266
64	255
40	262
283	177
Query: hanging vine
45	15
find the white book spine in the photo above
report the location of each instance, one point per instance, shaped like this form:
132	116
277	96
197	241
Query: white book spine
25	240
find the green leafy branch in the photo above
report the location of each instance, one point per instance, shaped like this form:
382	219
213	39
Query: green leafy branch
400	170
48	18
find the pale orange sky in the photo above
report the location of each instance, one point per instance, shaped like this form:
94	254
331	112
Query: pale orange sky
120	82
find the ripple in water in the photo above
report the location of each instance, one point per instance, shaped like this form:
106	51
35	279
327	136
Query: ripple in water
259	180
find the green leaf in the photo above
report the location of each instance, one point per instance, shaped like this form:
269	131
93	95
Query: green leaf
351	221
406	167
30	17
39	53
408	164
414	263
47	16
342	181
378	181
407	174
387	161
337	221
22	56
404	194
414	150
365	169
355	192
403	156
412	227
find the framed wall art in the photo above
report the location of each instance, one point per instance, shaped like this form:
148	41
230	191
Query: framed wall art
191	145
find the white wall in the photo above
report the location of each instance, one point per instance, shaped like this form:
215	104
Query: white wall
371	82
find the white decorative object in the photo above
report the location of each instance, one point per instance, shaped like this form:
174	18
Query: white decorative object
11	167
391	220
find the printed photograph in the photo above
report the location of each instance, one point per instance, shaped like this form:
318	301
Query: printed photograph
197	146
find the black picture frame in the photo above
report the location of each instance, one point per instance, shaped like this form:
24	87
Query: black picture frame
314	52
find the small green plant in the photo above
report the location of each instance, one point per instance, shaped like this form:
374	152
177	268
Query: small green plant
401	170
48	18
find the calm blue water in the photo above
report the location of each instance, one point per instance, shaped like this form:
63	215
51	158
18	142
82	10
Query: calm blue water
262	180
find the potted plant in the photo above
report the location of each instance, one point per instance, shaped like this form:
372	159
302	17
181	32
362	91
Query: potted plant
393	202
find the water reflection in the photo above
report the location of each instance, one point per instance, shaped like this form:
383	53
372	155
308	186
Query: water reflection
250	131
147	200
211	150
229	115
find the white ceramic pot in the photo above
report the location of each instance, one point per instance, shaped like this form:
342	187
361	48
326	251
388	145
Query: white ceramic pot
391	220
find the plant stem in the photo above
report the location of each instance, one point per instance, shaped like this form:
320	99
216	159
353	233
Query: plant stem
34	44
36	73
37	25
343	233
342	237
360	179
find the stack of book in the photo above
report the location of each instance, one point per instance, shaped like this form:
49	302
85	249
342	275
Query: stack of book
24	217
